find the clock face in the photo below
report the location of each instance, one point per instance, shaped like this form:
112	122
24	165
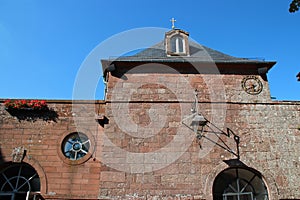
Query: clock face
252	85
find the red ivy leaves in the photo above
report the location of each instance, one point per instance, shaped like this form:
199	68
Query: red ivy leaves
19	104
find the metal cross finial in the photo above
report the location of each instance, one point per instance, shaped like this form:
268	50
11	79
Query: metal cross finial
173	22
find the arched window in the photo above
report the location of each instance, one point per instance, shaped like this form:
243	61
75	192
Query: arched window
177	44
239	184
19	181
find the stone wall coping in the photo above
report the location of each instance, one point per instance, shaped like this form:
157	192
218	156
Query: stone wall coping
62	101
69	101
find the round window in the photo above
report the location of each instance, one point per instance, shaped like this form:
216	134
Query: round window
76	145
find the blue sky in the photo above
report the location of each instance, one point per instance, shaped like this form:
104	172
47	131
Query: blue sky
43	43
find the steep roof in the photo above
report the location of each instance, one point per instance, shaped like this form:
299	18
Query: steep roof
198	53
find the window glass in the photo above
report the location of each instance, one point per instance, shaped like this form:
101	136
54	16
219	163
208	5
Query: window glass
173	44
76	145
177	44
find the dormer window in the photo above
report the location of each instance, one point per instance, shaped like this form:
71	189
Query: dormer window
176	43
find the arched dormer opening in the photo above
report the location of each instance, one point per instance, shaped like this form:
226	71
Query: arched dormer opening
176	43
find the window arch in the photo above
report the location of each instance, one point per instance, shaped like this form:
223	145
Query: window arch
19	181
239	184
177	44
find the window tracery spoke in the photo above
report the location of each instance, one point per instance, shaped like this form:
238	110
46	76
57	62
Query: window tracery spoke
7	181
85	142
83	151
19	174
233	189
68	151
75	156
248	183
26	182
22	188
71	143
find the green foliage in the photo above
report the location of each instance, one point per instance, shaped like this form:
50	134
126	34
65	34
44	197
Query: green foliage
294	6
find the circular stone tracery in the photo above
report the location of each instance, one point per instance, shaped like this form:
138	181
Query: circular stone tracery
75	146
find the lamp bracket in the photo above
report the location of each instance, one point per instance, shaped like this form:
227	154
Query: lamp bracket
207	128
213	129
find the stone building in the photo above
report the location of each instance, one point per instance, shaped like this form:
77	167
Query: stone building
179	121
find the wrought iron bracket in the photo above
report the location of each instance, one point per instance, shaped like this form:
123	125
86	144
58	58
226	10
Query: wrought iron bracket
210	128
203	128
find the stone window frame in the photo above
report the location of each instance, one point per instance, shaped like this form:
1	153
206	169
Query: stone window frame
169	39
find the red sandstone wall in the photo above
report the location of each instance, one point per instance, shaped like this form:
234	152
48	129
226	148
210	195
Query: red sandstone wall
60	178
129	164
268	130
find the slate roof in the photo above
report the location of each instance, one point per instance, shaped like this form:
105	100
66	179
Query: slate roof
198	53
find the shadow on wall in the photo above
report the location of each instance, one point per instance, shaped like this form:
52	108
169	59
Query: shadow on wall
1	157
33	115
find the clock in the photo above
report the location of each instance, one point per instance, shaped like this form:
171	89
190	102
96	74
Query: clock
252	85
